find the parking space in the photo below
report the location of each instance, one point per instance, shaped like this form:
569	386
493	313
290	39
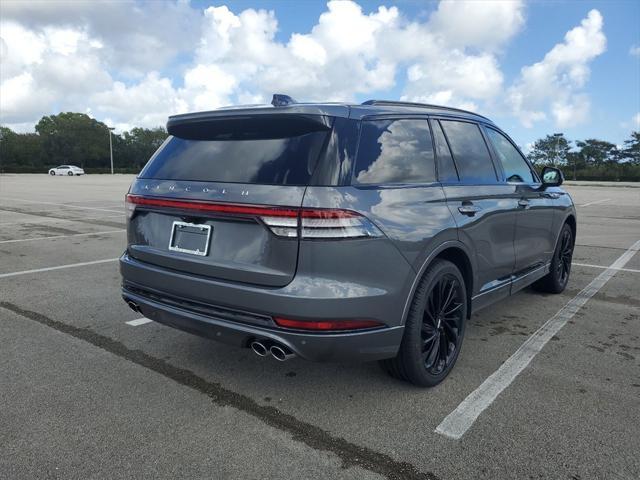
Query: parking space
86	394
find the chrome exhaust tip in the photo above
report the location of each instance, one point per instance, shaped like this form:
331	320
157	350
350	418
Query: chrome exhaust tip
259	348
133	306
282	354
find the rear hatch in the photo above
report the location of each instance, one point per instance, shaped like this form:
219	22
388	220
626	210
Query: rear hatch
221	197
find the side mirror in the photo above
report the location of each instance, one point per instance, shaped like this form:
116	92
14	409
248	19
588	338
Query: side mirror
552	177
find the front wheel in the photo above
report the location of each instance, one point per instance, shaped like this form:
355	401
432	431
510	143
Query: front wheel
434	328
558	277
52	173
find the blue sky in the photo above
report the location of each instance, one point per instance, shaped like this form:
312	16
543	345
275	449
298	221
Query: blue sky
535	68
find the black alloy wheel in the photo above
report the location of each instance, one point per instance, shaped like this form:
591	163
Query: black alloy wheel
441	324
558	277
565	254
434	327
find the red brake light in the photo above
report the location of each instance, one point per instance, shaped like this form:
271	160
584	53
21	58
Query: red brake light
326	325
230	208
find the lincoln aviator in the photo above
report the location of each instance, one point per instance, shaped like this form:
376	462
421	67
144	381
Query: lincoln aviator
341	232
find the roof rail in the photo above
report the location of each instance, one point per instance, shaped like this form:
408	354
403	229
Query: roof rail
415	104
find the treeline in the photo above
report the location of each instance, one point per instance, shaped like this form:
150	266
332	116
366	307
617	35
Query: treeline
590	159
77	139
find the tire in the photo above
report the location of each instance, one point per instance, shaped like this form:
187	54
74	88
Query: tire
558	277
432	341
52	173
70	174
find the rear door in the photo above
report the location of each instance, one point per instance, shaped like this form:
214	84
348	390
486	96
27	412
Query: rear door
483	206
534	240
220	200
395	184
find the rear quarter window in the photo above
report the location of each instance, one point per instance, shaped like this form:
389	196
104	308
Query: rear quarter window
470	152
395	151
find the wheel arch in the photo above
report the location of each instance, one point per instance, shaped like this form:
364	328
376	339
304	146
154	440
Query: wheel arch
458	254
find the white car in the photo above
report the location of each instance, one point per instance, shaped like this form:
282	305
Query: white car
66	170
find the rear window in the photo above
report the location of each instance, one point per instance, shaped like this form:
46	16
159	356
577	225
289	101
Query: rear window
395	151
469	152
269	161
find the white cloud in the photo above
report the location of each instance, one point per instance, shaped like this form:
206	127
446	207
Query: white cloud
554	84
485	25
136	37
135	64
635	50
146	103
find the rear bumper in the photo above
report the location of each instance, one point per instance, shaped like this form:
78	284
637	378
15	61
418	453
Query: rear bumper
350	346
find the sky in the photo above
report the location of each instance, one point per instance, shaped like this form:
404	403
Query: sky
535	68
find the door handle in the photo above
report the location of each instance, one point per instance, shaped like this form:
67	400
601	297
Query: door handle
523	202
469	210
552	195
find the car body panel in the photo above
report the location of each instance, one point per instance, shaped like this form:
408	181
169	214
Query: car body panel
489	233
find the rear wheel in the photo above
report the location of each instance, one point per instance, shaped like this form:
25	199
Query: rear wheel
558	277
434	328
70	174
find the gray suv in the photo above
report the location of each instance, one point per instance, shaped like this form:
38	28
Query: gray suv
340	232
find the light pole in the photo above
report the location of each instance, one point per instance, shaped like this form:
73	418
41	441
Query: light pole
111	147
555	159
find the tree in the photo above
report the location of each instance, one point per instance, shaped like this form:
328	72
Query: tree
575	162
631	150
551	150
597	152
140	143
20	149
74	138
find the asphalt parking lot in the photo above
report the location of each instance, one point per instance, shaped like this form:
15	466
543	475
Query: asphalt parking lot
84	394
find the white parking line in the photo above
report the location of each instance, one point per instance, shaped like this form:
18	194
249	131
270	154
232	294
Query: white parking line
60	204
54	219
59	267
462	418
604	268
51	237
594	202
138	321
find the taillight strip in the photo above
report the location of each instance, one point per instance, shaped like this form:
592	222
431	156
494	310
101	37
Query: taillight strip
316	223
228	208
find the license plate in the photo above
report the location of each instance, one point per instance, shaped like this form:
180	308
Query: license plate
190	238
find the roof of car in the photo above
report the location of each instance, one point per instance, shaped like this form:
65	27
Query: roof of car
335	109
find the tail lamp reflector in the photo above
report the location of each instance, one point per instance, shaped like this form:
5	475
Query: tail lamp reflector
326	325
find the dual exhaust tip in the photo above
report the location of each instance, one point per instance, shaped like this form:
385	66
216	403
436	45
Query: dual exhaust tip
133	306
279	352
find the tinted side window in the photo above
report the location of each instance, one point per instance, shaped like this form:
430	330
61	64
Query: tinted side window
446	168
469	152
515	167
395	151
